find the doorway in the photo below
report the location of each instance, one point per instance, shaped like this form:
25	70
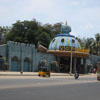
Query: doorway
64	64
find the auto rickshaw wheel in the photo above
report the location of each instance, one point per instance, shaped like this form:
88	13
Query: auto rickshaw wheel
43	75
39	75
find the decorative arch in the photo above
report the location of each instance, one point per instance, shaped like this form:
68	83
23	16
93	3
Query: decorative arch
26	67
15	58
27	60
15	66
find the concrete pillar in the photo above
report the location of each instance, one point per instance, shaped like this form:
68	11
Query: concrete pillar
21	62
71	61
34	58
84	62
78	64
31	61
9	62
30	69
9	58
58	67
75	61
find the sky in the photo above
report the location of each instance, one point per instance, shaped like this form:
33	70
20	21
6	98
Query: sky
82	15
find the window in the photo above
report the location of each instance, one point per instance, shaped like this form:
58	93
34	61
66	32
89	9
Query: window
73	41
62	40
53	40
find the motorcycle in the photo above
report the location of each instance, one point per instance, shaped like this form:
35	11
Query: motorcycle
98	76
76	75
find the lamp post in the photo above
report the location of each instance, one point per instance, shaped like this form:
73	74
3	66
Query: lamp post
71	62
72	41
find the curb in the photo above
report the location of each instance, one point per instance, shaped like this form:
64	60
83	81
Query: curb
36	74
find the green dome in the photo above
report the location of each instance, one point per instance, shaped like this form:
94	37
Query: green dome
65	29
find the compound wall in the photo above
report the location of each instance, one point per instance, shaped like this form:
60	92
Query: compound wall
23	57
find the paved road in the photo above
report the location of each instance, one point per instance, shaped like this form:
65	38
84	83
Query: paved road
23	81
54	88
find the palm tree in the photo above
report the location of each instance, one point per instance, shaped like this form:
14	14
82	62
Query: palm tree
97	36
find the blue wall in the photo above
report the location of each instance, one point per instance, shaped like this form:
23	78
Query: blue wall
23	57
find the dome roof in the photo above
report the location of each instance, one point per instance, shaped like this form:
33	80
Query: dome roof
65	29
65	40
64	43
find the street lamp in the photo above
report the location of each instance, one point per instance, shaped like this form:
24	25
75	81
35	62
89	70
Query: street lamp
71	62
72	41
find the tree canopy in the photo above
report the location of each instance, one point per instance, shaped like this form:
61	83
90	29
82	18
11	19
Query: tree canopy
34	32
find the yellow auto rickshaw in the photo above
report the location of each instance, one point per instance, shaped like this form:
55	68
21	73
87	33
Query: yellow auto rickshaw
44	72
43	69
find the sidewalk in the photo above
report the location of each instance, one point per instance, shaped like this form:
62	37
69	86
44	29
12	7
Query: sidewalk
29	74
8	73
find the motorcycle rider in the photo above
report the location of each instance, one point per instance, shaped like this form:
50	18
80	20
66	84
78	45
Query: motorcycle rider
76	75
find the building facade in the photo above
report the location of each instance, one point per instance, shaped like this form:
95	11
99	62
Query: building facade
22	57
63	55
15	56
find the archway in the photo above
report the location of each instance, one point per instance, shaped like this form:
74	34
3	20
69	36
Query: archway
15	64
26	67
2	63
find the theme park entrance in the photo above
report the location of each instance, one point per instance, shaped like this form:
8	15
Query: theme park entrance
64	64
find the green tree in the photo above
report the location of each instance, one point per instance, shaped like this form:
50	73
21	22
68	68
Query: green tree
88	41
44	39
97	36
94	44
3	32
32	32
23	32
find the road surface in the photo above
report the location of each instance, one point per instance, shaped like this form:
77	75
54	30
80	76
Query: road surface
54	88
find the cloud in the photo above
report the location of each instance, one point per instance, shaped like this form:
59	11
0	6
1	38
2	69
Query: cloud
75	3
37	6
89	26
3	10
82	15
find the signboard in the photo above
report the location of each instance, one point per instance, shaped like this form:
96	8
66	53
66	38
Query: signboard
66	48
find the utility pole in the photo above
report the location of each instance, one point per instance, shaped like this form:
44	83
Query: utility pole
71	62
71	56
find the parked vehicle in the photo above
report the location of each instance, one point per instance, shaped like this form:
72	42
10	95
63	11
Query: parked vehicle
98	76
76	75
44	72
98	71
